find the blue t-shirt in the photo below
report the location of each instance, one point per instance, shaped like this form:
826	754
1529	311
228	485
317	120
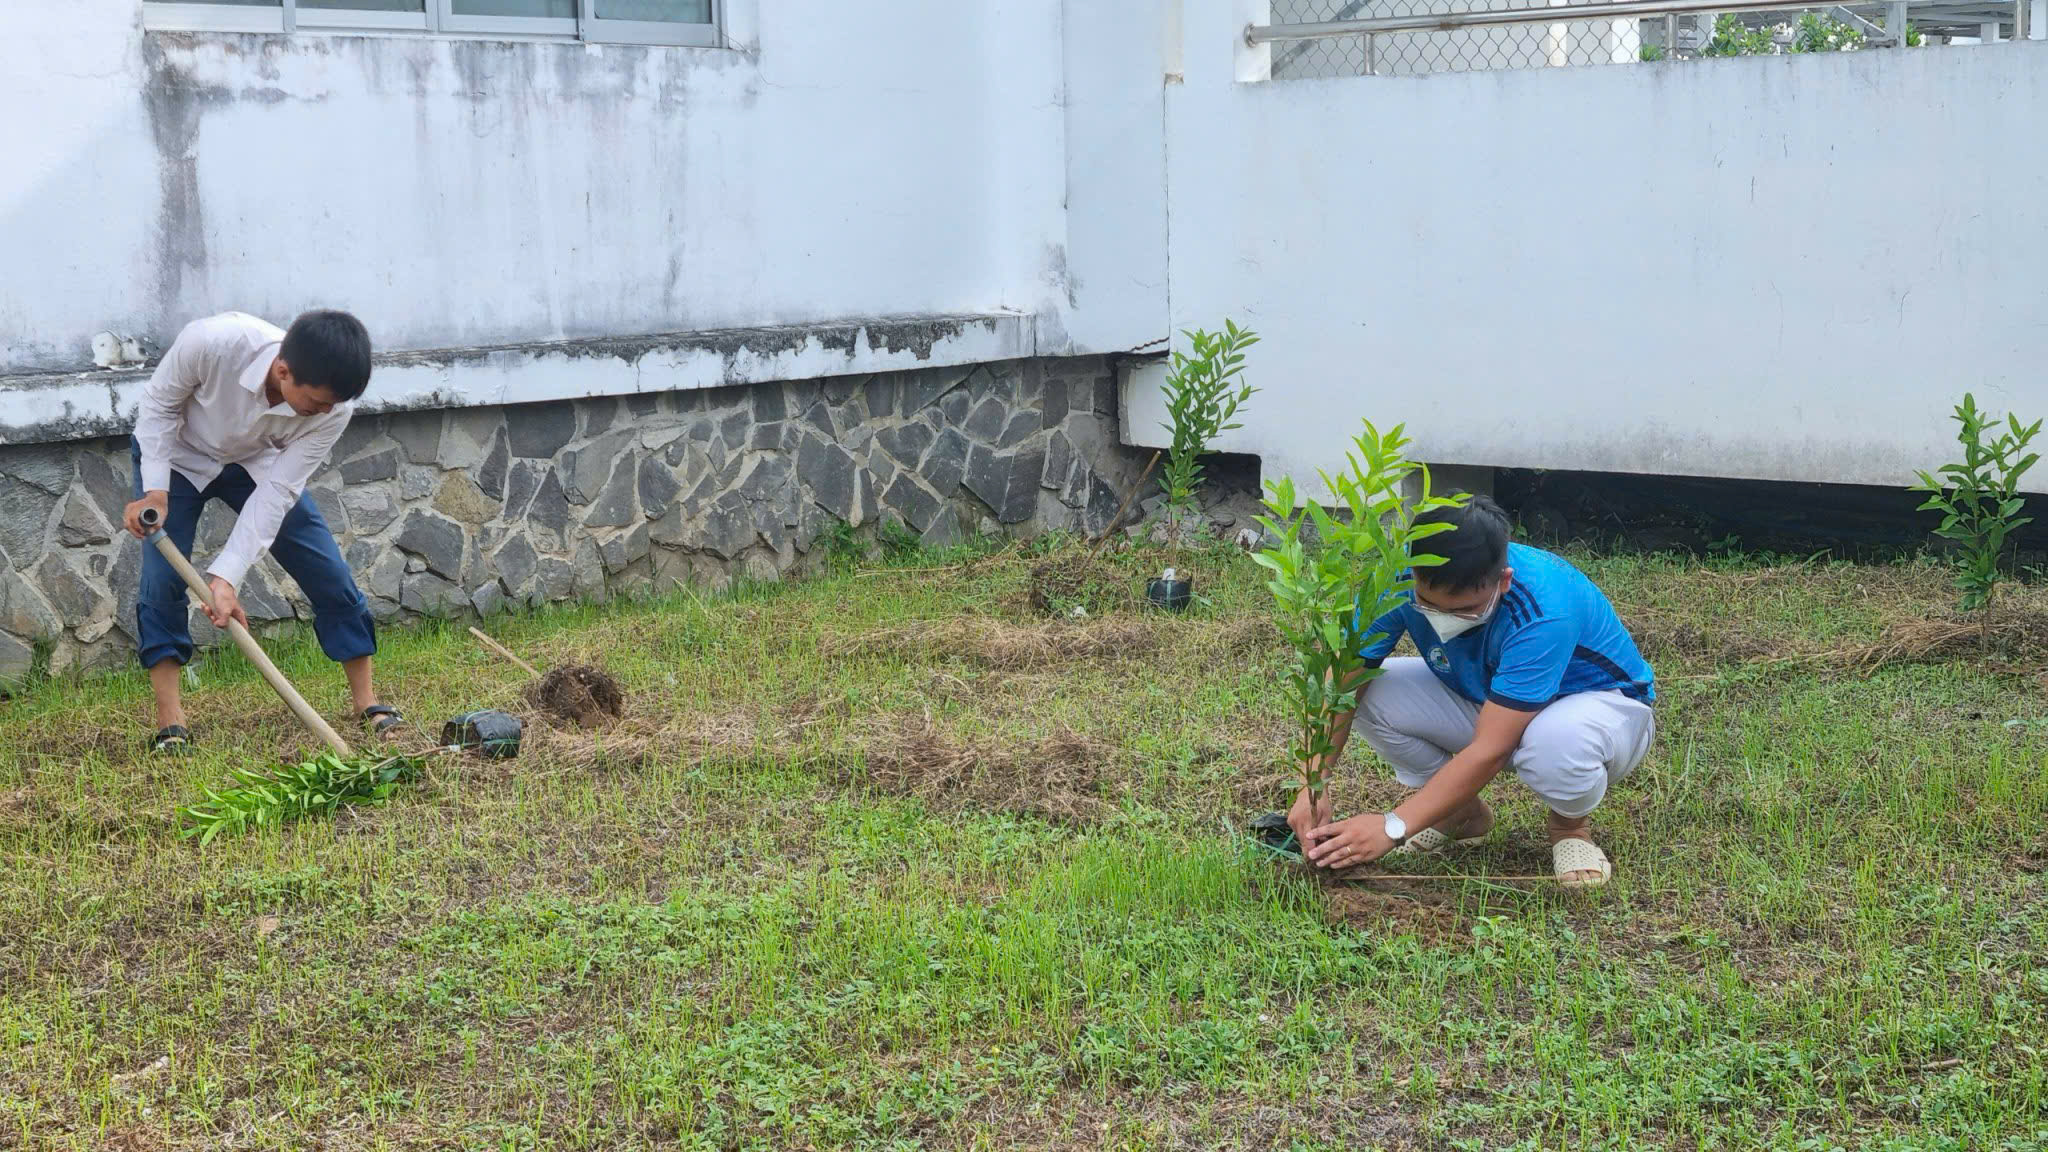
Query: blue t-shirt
1553	634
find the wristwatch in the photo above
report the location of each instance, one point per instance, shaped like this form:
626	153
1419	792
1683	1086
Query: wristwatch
1397	829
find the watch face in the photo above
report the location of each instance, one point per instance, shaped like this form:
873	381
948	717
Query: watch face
1397	829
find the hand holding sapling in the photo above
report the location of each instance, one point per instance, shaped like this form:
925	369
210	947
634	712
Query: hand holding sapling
1310	811
1349	843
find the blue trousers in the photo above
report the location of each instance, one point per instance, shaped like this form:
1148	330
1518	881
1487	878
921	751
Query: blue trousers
304	547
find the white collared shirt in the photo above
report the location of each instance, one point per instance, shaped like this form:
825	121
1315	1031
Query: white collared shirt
205	409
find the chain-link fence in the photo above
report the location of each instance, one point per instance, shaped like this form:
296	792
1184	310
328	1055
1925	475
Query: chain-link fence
1571	42
1615	40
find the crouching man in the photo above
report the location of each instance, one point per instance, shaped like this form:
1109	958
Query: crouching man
1524	664
243	413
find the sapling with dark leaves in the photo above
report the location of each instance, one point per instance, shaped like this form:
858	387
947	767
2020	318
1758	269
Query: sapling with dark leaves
1979	497
1330	591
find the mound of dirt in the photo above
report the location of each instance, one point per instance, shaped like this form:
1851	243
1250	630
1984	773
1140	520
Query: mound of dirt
579	694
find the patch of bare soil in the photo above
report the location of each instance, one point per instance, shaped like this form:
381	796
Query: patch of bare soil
579	694
999	644
134	1139
1400	906
1060	777
1662	636
87	816
82	735
2033	858
639	740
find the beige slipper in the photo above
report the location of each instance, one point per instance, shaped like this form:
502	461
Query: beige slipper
1575	855
1431	841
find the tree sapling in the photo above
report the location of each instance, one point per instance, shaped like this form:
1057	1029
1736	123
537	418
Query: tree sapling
1204	391
1979	497
1331	591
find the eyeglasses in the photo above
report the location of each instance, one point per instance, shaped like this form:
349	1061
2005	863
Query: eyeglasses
1474	614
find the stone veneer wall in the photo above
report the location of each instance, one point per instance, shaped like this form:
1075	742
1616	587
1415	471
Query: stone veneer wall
476	510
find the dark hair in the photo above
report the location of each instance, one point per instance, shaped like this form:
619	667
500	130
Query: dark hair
328	350
1474	550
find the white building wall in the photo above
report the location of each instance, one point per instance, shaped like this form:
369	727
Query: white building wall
839	161
1782	267
1785	267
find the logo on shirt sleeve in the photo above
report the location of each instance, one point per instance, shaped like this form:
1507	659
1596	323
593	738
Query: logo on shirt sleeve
1439	660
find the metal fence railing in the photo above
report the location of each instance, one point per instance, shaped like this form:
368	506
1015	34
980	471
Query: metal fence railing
1320	38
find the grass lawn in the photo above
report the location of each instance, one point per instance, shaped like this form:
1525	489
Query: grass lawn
881	860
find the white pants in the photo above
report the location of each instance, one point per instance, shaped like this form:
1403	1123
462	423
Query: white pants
1569	754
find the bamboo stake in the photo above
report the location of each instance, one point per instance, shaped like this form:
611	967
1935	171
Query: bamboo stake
247	643
1126	505
501	650
1363	876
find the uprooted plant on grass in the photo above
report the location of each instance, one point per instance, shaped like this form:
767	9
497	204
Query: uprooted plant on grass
1330	592
1979	497
295	791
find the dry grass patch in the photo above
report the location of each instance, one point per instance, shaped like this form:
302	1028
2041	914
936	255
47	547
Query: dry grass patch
1063	778
999	644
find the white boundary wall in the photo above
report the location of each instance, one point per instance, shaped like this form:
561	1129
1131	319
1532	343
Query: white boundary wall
1784	268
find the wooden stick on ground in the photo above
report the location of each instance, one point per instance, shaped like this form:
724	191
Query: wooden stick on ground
501	650
1353	879
254	651
1126	505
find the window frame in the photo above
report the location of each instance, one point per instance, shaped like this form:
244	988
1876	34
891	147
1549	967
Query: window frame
167	15
504	27
651	31
437	18
304	19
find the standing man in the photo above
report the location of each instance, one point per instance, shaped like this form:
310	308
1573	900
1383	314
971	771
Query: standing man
243	413
1523	663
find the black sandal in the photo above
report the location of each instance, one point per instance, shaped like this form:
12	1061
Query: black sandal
383	719
171	740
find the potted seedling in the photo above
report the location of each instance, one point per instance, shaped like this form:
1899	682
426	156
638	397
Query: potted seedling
1204	391
1329	591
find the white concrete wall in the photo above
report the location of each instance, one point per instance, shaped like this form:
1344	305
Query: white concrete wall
1784	267
1115	171
840	161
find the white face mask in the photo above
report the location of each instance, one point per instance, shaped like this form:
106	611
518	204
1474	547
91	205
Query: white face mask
1449	626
